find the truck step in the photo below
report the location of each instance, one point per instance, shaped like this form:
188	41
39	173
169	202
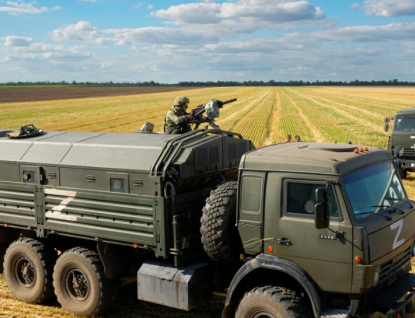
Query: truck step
334	313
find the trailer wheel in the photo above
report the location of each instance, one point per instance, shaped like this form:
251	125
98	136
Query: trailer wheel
28	268
80	284
220	236
272	302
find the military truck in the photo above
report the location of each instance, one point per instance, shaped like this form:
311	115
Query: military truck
289	230
403	134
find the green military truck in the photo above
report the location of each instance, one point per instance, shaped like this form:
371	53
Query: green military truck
403	135
289	230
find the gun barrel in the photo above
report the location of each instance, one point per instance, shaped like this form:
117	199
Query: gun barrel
199	110
229	101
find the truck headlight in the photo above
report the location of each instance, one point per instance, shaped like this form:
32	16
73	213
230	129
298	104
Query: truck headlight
398	151
376	279
413	250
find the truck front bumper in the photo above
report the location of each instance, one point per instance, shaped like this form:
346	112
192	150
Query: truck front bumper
398	300
407	164
403	309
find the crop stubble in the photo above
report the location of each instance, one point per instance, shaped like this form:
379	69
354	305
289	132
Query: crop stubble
263	114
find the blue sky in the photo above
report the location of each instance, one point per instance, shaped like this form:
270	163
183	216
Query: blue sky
206	40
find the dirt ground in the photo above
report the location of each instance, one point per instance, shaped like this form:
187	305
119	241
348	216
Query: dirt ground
30	94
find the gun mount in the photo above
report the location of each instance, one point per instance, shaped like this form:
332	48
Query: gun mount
212	111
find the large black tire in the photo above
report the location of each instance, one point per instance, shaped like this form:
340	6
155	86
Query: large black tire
28	266
220	237
80	284
272	302
3	248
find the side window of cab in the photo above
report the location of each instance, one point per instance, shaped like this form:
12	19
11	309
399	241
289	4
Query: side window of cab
300	199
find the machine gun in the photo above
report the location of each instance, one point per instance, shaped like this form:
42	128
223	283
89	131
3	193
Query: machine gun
212	111
197	116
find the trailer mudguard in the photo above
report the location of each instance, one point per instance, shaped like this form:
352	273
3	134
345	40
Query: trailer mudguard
273	263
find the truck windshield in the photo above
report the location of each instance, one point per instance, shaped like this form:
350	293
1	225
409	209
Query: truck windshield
373	189
405	123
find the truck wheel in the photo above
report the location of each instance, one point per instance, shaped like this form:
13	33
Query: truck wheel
80	284
402	173
28	268
220	236
273	302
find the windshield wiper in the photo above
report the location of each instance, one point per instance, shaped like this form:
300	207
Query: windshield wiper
389	208
409	202
373	212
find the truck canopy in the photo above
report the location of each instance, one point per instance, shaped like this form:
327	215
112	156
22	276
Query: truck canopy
109	150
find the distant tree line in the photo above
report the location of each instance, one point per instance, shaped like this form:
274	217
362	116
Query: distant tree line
218	83
300	83
75	83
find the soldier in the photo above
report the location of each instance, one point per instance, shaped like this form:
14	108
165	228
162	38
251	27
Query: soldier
176	121
288	138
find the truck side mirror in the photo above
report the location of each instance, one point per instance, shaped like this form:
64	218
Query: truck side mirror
322	216
386	126
322	210
323	195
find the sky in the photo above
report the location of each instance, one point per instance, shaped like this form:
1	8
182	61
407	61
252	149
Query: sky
206	40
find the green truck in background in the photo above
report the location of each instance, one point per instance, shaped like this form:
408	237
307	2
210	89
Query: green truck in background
403	135
290	230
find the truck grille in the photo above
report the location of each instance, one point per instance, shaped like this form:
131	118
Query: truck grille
389	271
408	153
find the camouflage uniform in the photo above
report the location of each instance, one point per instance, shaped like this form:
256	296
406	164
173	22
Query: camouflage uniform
177	117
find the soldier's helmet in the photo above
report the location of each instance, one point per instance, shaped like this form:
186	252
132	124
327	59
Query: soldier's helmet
181	102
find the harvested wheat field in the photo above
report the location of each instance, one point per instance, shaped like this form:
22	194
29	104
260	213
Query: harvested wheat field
263	114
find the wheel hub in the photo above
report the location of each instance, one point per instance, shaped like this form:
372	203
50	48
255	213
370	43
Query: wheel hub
25	271
77	284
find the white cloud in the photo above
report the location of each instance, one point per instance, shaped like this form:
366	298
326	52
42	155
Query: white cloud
20	47
247	11
17	41
16	8
81	31
387	8
395	31
106	65
179	39
200	23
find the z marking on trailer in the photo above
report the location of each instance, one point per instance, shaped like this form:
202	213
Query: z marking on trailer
56	212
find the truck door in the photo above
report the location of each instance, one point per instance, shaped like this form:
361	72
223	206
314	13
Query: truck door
251	193
326	254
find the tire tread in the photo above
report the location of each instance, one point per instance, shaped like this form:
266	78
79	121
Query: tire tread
219	235
47	258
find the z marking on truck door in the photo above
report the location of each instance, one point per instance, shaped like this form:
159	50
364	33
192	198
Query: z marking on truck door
399	226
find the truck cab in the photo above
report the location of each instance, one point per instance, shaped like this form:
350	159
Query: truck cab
330	222
403	134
